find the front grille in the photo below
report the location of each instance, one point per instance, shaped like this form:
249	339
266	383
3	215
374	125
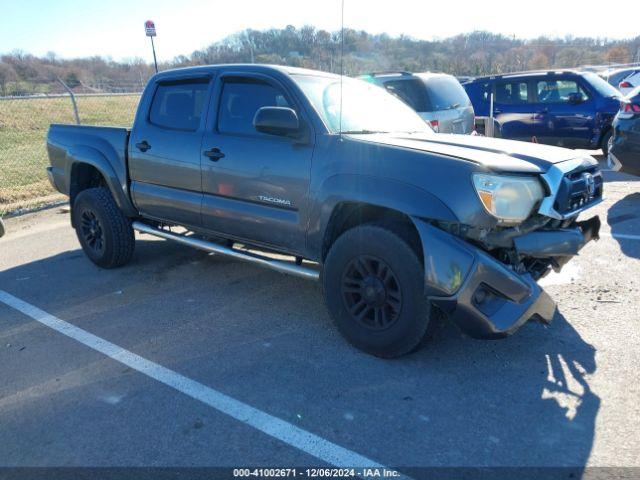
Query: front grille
578	190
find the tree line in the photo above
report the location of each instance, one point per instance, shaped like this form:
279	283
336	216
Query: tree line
471	54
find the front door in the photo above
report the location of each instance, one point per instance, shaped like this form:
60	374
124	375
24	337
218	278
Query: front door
255	185
164	152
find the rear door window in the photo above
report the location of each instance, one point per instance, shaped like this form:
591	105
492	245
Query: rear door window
558	90
178	105
412	92
512	93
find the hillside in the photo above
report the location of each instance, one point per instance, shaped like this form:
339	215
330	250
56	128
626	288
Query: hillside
474	53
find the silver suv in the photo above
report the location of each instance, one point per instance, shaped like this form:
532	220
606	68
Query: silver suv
437	97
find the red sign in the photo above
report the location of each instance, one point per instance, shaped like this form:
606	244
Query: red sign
150	28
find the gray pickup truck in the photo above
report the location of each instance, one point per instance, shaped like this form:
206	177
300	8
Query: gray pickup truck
336	180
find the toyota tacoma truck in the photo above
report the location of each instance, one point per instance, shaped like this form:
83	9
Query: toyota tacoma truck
333	179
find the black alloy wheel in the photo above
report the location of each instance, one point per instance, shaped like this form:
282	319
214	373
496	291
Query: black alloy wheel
371	292
92	231
373	286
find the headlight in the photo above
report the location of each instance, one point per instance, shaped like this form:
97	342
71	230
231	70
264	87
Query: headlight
508	198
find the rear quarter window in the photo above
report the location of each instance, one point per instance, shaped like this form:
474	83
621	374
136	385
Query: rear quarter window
179	105
445	93
411	91
512	93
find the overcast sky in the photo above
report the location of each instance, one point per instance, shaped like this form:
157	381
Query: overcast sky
73	28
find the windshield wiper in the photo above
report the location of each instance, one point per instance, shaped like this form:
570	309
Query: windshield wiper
362	132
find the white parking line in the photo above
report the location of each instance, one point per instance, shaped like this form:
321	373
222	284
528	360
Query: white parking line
286	432
624	236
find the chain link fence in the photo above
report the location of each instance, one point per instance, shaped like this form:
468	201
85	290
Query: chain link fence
24	122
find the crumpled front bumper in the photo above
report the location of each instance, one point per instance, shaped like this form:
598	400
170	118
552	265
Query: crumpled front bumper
481	295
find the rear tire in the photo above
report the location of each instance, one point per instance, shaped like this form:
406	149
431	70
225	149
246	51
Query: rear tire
373	285
104	232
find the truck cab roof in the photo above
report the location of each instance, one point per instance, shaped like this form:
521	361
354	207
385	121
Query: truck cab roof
240	67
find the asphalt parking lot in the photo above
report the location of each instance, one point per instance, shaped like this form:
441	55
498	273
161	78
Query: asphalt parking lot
260	350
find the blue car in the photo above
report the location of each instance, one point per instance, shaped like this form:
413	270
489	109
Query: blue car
566	108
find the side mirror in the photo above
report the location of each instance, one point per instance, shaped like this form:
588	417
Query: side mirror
276	121
575	98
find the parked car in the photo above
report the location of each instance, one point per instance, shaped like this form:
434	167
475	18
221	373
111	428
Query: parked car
437	97
624	79
564	108
349	182
624	153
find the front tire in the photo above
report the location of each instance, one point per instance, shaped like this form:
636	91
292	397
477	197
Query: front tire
373	288
104	232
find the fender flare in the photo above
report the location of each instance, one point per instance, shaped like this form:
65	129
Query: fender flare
83	154
375	191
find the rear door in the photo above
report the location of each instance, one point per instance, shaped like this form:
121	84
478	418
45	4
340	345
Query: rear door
560	121
255	189
164	151
512	109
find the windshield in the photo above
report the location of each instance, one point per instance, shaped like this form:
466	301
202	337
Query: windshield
446	93
601	86
366	108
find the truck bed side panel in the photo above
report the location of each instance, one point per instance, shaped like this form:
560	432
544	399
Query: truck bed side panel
102	147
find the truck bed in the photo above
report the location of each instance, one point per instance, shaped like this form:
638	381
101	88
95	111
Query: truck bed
105	147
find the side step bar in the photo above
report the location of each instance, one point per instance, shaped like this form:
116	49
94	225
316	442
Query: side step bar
277	265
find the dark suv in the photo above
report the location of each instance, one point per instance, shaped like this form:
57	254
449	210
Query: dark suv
565	108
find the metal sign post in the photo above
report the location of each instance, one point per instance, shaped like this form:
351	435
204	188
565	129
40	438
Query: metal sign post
150	30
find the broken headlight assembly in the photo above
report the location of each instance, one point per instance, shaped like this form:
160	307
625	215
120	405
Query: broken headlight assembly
509	198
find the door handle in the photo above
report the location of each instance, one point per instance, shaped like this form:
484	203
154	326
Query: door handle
143	146
496	110
214	154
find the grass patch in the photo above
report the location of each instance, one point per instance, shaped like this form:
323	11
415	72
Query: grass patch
23	131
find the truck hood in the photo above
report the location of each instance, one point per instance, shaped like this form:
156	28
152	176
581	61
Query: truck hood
494	153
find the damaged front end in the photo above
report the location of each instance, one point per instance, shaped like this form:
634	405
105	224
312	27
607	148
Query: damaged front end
543	248
539	244
485	279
